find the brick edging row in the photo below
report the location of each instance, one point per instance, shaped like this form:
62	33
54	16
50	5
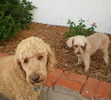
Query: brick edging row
86	86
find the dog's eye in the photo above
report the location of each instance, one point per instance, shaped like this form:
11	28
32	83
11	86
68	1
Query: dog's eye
26	60
83	47
76	46
40	57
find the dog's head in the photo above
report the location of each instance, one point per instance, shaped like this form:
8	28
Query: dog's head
35	59
79	43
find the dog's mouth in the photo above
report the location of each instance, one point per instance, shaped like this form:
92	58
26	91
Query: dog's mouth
77	54
37	83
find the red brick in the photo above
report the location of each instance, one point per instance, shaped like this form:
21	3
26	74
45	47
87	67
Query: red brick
3	54
90	88
104	90
70	84
53	77
77	77
66	74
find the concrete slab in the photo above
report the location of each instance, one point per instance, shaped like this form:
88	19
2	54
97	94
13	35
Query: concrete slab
67	91
103	99
2	97
60	93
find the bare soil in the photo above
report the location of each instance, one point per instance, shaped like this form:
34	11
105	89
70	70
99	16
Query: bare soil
54	35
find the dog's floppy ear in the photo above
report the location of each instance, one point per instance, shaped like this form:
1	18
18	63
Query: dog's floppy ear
70	42
51	60
87	45
17	63
18	67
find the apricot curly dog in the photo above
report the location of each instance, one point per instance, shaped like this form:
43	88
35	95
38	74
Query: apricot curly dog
28	68
84	47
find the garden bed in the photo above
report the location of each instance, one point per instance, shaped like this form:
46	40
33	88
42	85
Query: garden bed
54	35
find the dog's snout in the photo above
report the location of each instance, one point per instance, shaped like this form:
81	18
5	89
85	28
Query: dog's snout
35	78
78	52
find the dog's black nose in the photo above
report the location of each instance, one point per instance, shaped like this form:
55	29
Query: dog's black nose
35	78
78	52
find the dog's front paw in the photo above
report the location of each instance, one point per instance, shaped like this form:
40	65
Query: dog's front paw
76	64
107	64
86	70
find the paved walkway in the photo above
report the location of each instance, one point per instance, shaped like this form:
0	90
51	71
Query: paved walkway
64	85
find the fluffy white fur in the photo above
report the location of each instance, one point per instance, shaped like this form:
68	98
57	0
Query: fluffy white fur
28	68
84	47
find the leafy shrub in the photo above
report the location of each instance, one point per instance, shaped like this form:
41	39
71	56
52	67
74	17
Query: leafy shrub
15	15
79	29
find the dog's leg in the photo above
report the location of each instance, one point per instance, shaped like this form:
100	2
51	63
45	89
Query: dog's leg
105	56
79	60
86	62
104	47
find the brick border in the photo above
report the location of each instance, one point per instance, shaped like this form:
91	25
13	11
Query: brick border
86	86
3	54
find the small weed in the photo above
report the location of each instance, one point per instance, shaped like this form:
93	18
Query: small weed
79	29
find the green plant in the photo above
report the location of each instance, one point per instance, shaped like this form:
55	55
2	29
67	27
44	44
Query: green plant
79	29
15	15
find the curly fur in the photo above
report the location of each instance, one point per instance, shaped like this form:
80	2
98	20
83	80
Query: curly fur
18	72
84	47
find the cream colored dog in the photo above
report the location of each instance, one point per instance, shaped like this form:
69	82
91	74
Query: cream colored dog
27	69
84	47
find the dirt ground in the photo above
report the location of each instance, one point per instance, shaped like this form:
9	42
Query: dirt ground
54	35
